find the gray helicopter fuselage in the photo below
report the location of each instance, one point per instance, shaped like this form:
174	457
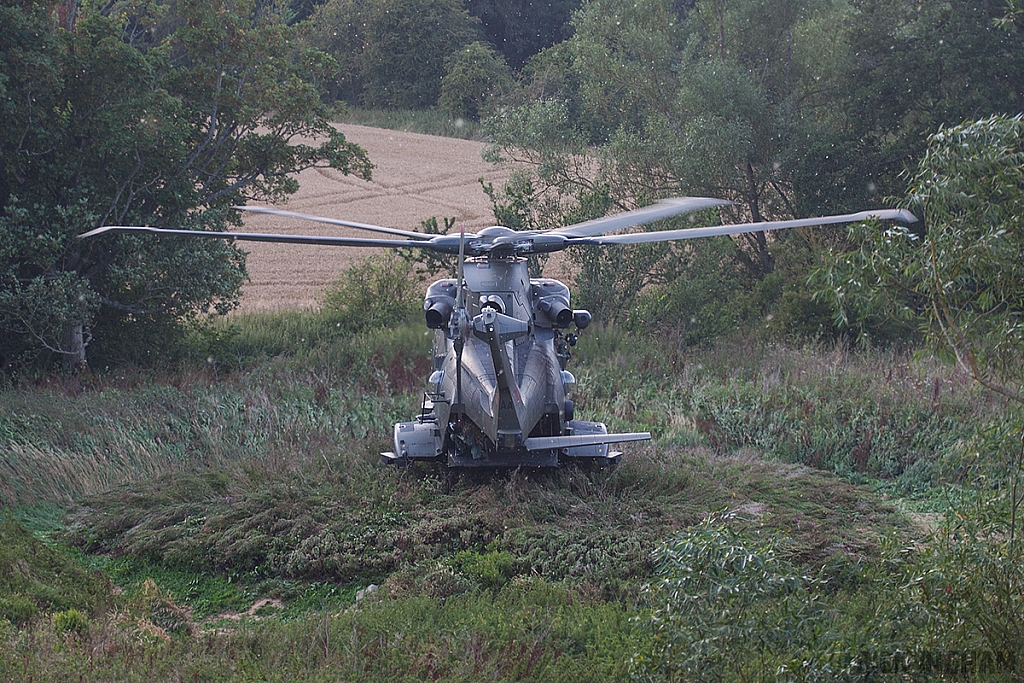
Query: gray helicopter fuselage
509	383
511	374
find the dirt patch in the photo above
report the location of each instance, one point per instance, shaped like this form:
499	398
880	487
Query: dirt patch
263	604
415	177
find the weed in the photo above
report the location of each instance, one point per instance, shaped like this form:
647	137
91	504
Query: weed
875	414
71	621
716	605
491	570
202	491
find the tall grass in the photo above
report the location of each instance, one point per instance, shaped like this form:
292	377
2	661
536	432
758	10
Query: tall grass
531	631
60	442
878	414
253	473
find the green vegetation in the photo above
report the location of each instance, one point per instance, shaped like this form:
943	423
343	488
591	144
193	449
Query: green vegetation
520	29
141	115
392	54
805	512
208	492
37	579
961	279
789	111
473	76
169	114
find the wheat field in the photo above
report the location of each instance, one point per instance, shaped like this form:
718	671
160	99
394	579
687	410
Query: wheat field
414	177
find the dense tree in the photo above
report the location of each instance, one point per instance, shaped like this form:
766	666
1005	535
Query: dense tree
169	132
788	109
392	52
911	69
705	99
473	76
521	28
657	98
958	273
300	10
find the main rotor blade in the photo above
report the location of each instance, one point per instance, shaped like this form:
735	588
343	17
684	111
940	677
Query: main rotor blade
666	208
333	221
901	215
260	237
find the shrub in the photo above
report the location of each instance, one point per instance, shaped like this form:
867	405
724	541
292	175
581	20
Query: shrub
491	570
17	609
706	296
378	292
35	577
970	582
71	621
727	606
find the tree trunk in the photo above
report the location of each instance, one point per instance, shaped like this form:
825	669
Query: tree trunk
74	346
765	259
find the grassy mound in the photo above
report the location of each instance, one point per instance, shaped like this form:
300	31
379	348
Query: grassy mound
35	578
424	533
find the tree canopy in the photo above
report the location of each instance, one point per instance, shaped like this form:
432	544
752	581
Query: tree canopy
793	109
519	29
392	52
958	274
110	124
473	75
170	113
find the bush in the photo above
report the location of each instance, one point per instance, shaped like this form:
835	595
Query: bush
426	121
727	607
17	609
34	578
970	582
707	295
491	570
71	621
379	292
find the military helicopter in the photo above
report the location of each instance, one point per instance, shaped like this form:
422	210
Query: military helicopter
499	394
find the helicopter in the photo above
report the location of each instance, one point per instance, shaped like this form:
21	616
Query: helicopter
499	394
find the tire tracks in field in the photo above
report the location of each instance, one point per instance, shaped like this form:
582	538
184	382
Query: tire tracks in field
415	177
346	189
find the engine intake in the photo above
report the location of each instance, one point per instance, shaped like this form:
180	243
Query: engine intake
556	309
439	304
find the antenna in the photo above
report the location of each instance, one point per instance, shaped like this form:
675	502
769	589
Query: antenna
460	297
459	321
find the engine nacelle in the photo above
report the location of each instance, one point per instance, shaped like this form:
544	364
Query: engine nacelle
439	303
557	310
